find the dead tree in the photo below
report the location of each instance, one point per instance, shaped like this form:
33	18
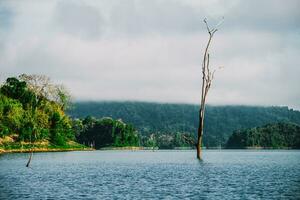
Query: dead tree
29	160
207	77
31	151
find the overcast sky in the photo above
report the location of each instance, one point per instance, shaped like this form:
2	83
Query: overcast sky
152	50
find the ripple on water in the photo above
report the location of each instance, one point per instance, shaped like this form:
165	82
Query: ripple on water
152	175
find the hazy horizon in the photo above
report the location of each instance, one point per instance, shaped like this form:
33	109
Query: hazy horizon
177	103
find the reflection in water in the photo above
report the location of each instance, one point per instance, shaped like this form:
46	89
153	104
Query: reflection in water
154	175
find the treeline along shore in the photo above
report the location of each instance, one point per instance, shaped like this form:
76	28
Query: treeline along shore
32	116
169	126
37	115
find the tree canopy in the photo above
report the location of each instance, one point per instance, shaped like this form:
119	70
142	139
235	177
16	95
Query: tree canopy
30	113
278	135
170	119
106	132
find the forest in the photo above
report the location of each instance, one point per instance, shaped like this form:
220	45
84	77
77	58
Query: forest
105	132
33	110
162	123
32	116
277	135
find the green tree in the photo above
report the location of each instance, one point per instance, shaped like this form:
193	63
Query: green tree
107	132
30	109
276	135
56	130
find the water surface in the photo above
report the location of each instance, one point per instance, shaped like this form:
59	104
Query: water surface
225	174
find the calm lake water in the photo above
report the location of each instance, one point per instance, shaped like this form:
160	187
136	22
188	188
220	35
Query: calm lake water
152	175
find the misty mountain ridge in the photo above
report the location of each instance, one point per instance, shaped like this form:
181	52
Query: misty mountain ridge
220	121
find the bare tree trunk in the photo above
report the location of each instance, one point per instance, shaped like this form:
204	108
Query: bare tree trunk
28	163
199	142
31	151
200	133
207	78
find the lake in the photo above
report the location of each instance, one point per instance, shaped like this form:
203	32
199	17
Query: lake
223	174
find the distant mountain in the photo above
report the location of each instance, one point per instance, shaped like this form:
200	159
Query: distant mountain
220	121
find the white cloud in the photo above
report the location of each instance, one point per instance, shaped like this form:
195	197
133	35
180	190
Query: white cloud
152	50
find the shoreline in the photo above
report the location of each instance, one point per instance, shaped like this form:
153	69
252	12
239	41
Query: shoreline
40	150
133	148
8	145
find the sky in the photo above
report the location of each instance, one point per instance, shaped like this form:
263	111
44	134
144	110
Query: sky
145	50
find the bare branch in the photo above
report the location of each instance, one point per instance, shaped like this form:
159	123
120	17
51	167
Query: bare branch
208	30
215	29
207	64
207	77
213	75
220	23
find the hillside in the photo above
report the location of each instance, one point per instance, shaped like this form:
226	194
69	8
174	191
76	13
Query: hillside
221	121
278	135
32	116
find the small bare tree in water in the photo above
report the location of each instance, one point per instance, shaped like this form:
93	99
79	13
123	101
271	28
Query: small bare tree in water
207	77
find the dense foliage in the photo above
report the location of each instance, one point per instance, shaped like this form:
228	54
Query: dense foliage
169	119
278	135
28	114
105	132
168	140
33	109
